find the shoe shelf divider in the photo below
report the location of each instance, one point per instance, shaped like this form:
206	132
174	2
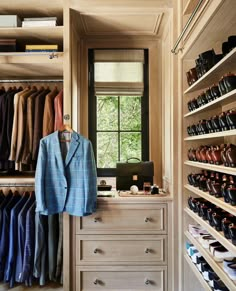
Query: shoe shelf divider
216	266
211	135
211	167
221	101
197	273
218	235
217	201
227	64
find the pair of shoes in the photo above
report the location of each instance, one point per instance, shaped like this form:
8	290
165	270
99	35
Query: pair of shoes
229	266
219	252
206	240
218	285
197	230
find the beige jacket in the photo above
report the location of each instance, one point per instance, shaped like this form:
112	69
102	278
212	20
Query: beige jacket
15	125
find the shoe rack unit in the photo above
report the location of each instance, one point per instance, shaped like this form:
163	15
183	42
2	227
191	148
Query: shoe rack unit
214	25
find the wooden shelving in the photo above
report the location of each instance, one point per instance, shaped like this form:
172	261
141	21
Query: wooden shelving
221	101
217	267
34	35
221	169
218	235
209	31
211	135
191	4
197	273
31	65
217	201
227	64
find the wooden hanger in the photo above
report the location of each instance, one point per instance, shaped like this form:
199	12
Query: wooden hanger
65	128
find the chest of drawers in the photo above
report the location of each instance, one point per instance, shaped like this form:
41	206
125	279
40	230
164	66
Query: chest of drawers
123	246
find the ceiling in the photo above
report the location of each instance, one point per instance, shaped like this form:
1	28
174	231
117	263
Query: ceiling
122	17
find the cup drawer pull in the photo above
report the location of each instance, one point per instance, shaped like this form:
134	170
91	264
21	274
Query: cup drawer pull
97	219
147	219
148	282
96	251
97	282
148	251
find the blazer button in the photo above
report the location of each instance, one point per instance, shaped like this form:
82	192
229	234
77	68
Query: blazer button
65	187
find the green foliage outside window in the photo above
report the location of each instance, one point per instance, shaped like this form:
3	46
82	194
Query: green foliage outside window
118	129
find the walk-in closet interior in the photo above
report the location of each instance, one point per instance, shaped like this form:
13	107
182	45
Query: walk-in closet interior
179	240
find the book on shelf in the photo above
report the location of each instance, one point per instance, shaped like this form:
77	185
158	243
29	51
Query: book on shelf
39	21
7	45
41	51
10	21
50	23
41	47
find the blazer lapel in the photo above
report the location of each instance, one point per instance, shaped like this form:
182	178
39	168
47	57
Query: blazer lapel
73	147
58	150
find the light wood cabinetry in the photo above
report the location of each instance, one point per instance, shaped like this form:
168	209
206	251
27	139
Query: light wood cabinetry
127	241
216	23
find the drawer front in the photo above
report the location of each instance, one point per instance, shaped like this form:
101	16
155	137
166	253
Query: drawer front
120	280
132	219
123	249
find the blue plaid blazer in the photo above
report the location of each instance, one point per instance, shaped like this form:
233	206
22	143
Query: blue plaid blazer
66	186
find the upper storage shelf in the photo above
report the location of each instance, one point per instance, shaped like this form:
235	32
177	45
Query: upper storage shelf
31	65
33	8
34	35
215	24
227	64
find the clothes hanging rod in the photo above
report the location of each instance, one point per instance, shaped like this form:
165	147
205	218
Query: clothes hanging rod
16	185
186	27
32	81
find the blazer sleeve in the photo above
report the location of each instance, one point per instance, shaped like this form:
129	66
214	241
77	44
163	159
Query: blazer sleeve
40	178
90	181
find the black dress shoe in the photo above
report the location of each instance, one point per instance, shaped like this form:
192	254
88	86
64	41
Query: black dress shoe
229	82
232	42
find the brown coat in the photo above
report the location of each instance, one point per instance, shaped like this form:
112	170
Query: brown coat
58	106
22	114
49	113
29	129
38	121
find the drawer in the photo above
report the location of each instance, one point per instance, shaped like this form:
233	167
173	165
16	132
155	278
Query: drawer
143	220
126	280
122	249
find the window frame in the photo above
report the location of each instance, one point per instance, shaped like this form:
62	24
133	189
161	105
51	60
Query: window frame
92	112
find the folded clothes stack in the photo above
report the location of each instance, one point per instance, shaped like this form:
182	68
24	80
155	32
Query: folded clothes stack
7	45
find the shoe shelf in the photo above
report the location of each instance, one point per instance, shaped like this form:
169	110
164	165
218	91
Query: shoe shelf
197	273
217	201
217	267
211	167
212	135
216	23
227	64
221	101
218	235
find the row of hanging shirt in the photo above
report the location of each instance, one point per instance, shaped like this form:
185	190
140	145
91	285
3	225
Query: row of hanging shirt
31	245
26	115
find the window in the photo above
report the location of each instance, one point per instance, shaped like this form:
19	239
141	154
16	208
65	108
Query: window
118	107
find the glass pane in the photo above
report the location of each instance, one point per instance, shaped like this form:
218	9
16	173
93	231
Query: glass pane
107	113
118	72
130	144
130	113
107	149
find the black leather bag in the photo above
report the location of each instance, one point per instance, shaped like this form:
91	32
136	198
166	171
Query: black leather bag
128	174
